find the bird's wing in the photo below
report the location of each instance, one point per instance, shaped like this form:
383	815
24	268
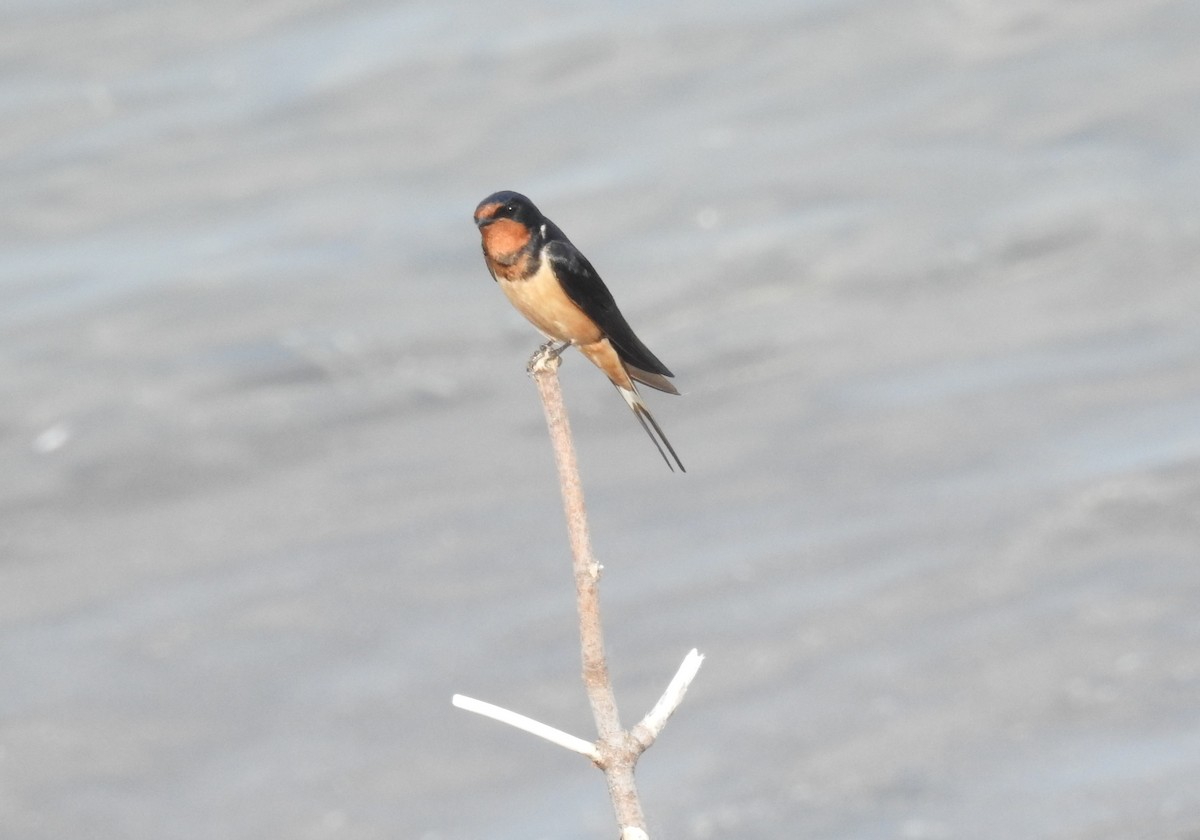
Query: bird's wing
587	291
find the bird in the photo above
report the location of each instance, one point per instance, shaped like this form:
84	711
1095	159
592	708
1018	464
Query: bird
549	281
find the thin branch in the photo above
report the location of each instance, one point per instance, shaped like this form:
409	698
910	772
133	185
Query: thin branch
617	751
617	758
654	721
533	727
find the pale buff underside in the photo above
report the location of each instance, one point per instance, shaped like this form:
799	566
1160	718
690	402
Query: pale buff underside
543	302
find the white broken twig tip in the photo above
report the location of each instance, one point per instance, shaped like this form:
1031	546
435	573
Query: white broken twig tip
652	724
631	832
527	724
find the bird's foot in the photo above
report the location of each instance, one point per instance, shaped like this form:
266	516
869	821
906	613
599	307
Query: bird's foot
546	357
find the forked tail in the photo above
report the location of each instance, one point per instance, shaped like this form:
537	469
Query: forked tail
642	413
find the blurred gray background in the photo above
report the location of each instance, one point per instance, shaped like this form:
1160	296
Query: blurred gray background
274	485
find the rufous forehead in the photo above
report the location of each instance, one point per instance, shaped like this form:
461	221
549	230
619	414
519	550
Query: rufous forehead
486	211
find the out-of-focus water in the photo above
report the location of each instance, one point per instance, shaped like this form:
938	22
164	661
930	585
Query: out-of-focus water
273	484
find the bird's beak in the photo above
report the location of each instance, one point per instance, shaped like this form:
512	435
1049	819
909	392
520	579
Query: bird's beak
483	221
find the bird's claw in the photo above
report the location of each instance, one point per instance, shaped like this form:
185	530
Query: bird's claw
547	356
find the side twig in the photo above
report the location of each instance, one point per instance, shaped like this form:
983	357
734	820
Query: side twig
527	724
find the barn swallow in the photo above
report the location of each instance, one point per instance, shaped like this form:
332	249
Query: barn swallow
554	286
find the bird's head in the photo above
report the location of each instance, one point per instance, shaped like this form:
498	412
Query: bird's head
507	205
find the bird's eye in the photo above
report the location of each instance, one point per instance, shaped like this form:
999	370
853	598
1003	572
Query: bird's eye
510	209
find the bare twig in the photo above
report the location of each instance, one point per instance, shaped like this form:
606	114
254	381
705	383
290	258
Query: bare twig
533	727
617	751
654	721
